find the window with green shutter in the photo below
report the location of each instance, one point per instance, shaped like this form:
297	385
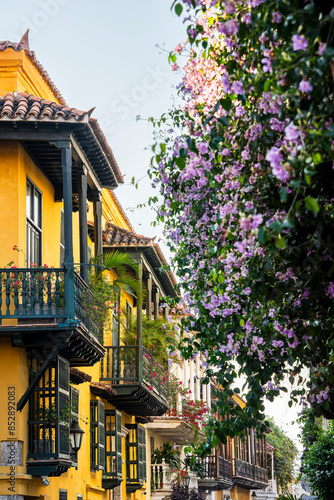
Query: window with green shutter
135	453
97	435
113	445
49	411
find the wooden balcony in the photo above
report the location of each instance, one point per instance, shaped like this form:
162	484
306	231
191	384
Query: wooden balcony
249	475
42	310
140	382
216	473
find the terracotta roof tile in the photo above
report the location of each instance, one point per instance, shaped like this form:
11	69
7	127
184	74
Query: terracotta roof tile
24	45
103	390
78	377
24	106
119	237
114	235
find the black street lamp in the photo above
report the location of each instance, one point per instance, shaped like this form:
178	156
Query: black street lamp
186	479
76	434
254	496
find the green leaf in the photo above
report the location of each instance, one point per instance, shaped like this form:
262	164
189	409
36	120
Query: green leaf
283	194
329	52
317	158
280	243
266	85
180	162
178	9
226	103
312	204
263	234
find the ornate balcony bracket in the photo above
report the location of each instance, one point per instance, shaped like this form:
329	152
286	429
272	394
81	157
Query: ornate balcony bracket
109	483
52	468
218	484
132	487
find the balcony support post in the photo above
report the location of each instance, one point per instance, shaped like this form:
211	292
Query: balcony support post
156	299
97	207
140	324
83	230
149	297
66	162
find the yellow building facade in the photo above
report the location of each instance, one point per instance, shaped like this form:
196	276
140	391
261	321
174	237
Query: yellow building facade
60	372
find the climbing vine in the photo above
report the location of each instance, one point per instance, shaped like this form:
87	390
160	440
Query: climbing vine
245	173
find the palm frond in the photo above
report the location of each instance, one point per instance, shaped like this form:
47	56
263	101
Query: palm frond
121	262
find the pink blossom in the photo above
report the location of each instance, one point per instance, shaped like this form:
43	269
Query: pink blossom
305	86
299	42
274	156
277	17
237	87
321	49
257	220
291	132
241	246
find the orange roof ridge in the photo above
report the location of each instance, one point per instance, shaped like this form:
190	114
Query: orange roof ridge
121	236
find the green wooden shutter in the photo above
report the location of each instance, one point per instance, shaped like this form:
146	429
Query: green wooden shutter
97	435
63	404
118	441
74	403
94	457
132	453
101	435
141	443
113	443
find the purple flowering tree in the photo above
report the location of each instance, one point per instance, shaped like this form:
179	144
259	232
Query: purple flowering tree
245	174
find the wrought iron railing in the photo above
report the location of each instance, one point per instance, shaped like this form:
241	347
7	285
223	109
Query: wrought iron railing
121	365
39	293
82	297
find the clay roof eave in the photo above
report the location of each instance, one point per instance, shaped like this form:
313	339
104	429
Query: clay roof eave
102	390
24	107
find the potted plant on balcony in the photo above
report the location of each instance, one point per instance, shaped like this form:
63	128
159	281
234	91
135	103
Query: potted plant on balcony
170	454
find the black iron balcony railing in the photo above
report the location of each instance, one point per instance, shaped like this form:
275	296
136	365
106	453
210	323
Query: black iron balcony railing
127	364
39	293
